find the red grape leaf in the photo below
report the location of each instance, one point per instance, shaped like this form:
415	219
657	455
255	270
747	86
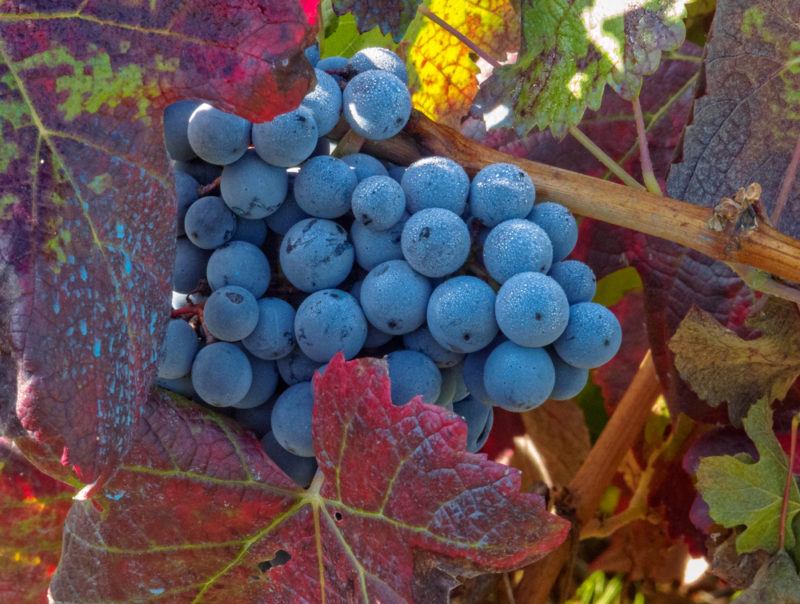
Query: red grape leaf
397	512
32	511
87	208
392	16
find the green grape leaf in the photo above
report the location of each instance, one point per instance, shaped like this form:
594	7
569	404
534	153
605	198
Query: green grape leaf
721	366
751	493
392	16
570	51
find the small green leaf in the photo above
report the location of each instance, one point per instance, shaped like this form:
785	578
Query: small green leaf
570	51
750	494
342	37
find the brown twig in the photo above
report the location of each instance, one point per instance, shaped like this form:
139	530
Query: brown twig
788	486
206	189
603	157
349	143
594	475
648	175
683	223
786	184
426	12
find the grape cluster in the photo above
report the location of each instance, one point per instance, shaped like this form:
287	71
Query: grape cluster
463	285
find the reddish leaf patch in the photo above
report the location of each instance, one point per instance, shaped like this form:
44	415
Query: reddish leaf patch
32	511
397	512
87	206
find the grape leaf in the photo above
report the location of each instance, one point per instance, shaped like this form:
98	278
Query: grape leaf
443	74
397	511
391	16
87	208
776	581
570	51
32	511
721	366
342	37
750	494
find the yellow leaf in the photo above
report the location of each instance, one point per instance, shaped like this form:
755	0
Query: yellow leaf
442	70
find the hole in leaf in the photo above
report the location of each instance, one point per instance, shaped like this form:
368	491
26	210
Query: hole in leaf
338	516
281	557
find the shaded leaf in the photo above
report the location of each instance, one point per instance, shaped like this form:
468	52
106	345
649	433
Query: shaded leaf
571	50
776	582
391	16
750	494
443	74
398	511
87	205
32	511
644	551
344	39
721	366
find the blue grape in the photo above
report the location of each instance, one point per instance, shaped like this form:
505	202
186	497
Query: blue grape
327	322
315	254
201	171
518	378
376	57
291	419
435	242
176	124
461	391
461	314
559	225
181	385
209	223
239	263
217	137
376	247
323	187
376	104
452	382
251	231
479	419
287	139
412	373
230	313
325	146
265	381
312	54
221	374
396	172
299	469
186	192
378	202
516	246
324	102
423	341
256	419
394	297
178	350
576	279
569	380
501	192
474	364
296	367
273	336
364	165
436	182
592	337
286	216
190	266
532	309
375	337
253	189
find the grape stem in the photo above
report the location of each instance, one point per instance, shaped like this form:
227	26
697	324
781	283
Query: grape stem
683	223
204	190
604	158
648	175
786	185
